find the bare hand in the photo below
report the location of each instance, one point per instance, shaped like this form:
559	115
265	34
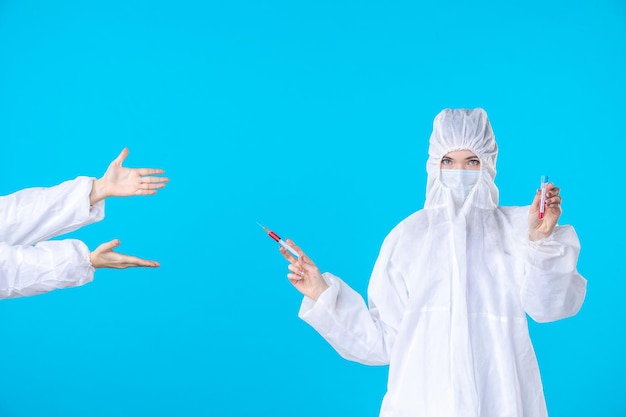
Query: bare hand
118	181
304	274
105	257
541	228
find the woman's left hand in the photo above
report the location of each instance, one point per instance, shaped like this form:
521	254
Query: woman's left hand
542	228
119	181
105	257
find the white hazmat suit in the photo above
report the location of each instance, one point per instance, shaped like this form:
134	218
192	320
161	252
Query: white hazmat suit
449	294
29	264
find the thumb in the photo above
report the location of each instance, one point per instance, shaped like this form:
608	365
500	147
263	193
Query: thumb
536	201
110	245
121	157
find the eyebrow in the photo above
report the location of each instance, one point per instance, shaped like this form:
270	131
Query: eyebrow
467	159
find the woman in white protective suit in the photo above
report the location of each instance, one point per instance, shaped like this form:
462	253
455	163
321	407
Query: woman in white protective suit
31	264
450	290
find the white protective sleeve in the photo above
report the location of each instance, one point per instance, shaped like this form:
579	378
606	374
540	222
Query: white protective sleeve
33	215
36	214
552	288
341	316
30	270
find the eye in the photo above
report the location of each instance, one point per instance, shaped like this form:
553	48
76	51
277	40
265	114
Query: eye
474	162
446	161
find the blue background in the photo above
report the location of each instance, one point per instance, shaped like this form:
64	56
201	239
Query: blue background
313	118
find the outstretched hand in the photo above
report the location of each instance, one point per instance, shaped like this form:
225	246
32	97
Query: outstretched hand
304	274
119	181
105	257
542	228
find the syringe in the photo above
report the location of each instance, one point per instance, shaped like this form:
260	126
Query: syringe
542	203
279	240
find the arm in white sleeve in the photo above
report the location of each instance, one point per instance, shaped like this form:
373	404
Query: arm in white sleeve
342	317
553	289
35	214
31	270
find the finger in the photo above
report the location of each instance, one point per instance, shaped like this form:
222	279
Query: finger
121	157
145	192
308	265
154	180
553	191
536	201
555	201
291	243
132	261
147	264
108	246
127	261
152	186
287	255
296	272
149	171
307	261
293	278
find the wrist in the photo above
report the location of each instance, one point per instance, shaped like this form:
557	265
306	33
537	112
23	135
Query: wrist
318	291
97	193
92	260
536	236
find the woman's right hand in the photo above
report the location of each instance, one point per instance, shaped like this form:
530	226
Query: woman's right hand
304	274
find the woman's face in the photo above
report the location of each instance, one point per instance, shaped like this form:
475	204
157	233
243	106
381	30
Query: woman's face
462	159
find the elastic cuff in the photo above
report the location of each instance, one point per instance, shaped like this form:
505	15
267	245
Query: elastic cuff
540	242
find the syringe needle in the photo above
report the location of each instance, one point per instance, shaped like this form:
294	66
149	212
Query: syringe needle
278	239
263	227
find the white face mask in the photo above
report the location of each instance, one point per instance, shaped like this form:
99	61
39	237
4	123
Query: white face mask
459	181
